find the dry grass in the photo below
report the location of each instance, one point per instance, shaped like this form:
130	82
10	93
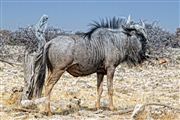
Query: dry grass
132	86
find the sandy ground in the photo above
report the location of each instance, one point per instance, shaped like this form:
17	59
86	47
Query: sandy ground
74	98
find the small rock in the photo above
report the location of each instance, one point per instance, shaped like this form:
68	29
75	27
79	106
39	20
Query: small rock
137	110
104	102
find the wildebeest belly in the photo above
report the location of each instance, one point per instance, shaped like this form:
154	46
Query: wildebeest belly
78	70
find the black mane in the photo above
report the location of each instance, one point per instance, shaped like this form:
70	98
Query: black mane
113	23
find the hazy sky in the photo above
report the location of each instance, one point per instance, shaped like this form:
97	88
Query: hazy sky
73	15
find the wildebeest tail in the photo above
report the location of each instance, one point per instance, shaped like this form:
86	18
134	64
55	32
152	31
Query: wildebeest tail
41	72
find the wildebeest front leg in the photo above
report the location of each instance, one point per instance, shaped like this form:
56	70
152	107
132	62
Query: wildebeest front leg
99	89
51	81
110	75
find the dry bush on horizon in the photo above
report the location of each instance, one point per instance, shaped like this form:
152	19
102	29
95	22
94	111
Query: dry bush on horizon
158	39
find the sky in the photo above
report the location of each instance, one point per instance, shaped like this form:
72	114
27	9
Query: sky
75	15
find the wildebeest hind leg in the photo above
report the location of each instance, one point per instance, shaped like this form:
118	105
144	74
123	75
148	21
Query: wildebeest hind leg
51	81
99	89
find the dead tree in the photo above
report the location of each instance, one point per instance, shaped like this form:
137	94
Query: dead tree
32	60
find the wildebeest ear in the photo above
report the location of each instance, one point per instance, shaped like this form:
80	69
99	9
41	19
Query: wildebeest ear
128	20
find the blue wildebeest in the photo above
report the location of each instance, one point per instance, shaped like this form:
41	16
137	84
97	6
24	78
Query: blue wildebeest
100	51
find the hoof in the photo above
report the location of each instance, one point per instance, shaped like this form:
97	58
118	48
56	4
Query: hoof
97	106
47	113
112	108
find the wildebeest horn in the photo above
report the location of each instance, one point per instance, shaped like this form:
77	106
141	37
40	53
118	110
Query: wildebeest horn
143	25
129	19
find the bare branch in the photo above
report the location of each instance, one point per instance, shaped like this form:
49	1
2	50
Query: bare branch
11	63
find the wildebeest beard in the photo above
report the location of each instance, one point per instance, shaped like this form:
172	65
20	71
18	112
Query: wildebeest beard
136	50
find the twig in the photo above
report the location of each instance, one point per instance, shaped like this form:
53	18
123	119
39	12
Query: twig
10	63
120	112
139	109
25	110
159	104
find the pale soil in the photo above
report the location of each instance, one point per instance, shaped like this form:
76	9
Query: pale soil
74	98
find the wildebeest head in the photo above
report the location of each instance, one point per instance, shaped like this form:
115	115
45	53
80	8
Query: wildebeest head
139	28
137	38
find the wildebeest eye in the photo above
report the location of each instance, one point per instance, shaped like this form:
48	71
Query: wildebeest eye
132	32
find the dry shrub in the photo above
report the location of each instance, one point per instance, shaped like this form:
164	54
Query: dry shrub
159	40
